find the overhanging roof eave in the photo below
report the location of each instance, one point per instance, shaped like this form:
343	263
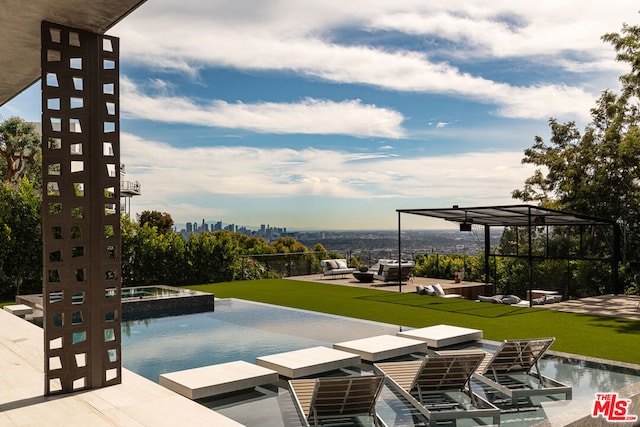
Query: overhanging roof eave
20	33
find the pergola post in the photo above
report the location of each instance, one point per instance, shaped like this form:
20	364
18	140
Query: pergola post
399	255
487	249
530	258
80	209
616	259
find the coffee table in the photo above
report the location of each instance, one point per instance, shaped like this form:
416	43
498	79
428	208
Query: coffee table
363	276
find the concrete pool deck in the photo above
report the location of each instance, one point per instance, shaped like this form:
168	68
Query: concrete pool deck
136	402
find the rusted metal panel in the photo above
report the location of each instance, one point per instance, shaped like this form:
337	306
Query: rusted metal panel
81	209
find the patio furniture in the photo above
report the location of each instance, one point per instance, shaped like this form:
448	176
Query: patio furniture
363	276
337	397
439	387
510	371
335	267
389	270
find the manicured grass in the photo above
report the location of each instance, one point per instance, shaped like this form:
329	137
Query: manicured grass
595	336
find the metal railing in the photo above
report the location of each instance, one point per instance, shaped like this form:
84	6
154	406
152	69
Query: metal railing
130	187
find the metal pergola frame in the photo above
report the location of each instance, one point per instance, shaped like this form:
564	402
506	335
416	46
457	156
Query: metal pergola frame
516	216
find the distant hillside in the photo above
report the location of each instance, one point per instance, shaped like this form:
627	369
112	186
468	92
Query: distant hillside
384	244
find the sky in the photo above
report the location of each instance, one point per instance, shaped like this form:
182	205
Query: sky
332	114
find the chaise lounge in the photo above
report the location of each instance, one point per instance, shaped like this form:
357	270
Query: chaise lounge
510	373
344	397
439	386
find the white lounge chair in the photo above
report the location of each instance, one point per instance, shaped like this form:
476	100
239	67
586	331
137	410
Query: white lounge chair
337	397
439	387
510	371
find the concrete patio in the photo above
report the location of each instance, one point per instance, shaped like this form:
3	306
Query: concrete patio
136	402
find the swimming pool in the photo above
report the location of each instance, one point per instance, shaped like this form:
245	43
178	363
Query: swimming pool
242	330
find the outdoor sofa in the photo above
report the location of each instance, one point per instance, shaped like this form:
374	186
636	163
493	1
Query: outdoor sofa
335	267
388	270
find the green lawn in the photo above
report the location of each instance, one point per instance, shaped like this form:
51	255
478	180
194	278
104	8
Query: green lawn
595	336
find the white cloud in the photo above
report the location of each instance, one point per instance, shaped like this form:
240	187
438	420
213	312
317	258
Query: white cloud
170	175
495	29
283	35
310	116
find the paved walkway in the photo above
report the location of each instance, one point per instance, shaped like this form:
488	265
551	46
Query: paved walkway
625	306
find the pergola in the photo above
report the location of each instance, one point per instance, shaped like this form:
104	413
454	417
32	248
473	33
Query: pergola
516	216
62	44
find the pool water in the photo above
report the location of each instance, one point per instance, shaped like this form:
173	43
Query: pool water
242	330
153	292
236	330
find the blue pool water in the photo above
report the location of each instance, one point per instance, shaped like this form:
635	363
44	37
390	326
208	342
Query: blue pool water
236	330
242	330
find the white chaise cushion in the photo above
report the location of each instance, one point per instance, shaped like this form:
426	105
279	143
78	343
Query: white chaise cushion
342	263
438	289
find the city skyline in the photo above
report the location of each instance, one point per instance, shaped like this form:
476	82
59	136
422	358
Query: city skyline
264	230
332	115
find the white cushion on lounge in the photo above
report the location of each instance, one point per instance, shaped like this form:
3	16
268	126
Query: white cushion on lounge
511	299
342	263
429	290
438	289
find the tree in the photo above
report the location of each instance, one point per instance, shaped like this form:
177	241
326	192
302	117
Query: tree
212	256
597	171
20	151
161	220
20	239
285	245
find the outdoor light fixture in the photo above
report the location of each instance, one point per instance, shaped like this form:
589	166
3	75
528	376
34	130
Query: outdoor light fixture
466	225
539	220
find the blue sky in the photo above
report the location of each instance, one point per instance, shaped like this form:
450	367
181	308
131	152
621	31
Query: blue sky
332	114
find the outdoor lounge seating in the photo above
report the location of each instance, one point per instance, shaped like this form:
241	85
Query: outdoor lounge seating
335	267
510	373
388	270
439	386
341	397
